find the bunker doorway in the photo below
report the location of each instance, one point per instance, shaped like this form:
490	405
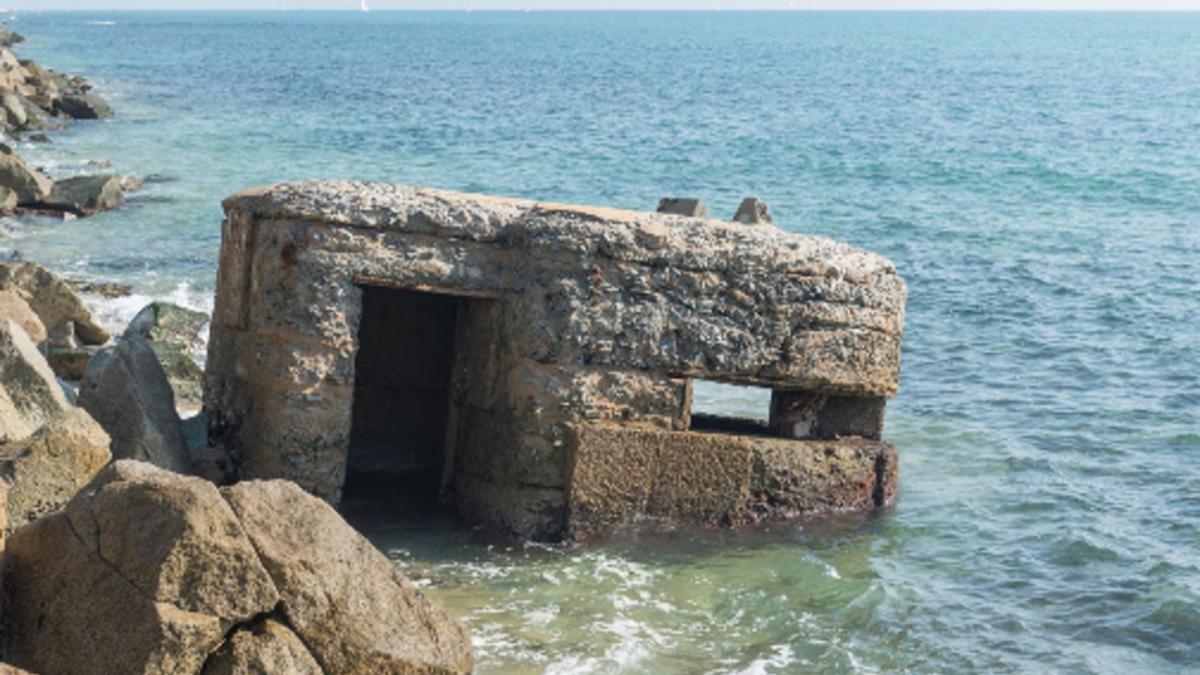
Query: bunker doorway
402	398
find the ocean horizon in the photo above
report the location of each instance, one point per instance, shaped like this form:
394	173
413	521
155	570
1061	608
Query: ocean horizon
1032	175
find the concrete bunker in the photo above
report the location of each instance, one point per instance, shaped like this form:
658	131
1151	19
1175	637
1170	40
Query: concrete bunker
534	363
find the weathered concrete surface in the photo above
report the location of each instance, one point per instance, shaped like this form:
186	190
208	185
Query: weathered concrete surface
48	447
753	211
623	476
683	206
567	315
147	571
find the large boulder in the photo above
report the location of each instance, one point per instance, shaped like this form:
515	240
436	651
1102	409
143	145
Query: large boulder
31	186
146	571
52	299
48	447
176	335
85	195
125	389
84	106
349	604
143	572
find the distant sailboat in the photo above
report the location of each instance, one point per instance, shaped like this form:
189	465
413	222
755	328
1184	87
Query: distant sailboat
362	5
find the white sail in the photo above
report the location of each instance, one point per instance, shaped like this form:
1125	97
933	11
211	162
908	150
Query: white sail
362	5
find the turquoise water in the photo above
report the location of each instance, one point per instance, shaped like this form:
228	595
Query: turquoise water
1036	178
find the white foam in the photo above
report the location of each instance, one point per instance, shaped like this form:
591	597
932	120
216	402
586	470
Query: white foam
782	656
114	314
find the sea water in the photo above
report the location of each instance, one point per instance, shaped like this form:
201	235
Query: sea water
1035	178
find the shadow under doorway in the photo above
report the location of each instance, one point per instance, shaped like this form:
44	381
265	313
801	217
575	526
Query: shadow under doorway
402	389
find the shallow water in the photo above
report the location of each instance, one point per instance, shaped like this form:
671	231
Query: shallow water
1034	177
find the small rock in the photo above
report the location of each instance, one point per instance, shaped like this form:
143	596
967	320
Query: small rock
682	206
85	195
125	389
752	211
131	183
13	306
39	138
8	201
105	289
86	106
70	362
13	109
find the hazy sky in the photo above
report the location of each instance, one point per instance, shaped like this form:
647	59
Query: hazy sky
32	5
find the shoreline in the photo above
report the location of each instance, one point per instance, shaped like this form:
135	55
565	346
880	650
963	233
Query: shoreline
36	102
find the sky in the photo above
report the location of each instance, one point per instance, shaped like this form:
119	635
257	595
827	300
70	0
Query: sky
91	5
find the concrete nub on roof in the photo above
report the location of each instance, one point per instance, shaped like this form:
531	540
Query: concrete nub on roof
534	361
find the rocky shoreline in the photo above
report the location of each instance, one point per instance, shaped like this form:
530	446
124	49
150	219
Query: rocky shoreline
33	100
122	553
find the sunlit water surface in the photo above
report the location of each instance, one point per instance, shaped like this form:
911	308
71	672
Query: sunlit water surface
1036	179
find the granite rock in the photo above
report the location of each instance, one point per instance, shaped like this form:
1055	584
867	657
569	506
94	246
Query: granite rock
125	389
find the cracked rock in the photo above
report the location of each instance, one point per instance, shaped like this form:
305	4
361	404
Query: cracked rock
147	571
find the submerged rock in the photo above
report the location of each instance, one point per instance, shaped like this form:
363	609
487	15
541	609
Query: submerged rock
48	447
147	571
52	299
105	289
9	38
84	106
85	195
125	389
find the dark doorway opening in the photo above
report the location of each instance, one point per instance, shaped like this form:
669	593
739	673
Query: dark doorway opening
402	387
